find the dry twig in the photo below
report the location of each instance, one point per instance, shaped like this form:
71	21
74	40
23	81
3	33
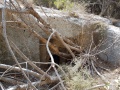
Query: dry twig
53	63
7	42
10	68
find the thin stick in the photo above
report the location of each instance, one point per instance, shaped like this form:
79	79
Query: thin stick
11	81
52	61
97	86
24	87
54	86
2	87
66	46
18	70
102	77
8	45
47	26
28	60
55	65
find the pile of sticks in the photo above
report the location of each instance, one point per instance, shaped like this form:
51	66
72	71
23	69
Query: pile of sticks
42	77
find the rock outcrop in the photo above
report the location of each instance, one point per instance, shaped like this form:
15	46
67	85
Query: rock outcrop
92	33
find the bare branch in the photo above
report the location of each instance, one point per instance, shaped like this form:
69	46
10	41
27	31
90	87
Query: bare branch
7	42
18	70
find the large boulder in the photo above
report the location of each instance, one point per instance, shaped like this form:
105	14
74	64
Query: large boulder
110	49
86	30
99	35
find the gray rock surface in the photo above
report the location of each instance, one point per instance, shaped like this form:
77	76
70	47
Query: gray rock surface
80	30
111	47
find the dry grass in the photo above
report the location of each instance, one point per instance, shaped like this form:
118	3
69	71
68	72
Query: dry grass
79	7
78	79
76	8
30	1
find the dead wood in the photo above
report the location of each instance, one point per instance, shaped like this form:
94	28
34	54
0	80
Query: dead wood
54	49
8	45
47	29
17	69
53	62
25	86
2	87
66	43
29	61
11	81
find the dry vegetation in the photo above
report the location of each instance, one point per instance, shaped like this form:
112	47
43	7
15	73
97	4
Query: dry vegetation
83	72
